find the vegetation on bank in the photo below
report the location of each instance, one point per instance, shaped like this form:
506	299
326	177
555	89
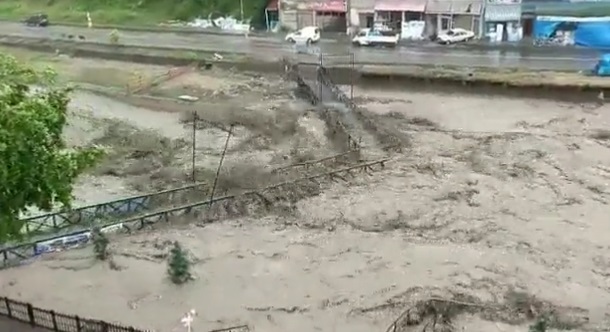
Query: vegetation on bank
131	12
37	169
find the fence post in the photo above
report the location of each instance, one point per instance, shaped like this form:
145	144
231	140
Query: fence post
31	314
7	302
54	320
78	327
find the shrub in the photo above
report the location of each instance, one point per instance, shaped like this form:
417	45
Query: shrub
100	244
179	266
114	37
540	325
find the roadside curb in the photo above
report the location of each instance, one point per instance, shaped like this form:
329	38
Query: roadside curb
153	28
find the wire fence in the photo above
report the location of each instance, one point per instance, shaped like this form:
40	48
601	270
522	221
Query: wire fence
49	319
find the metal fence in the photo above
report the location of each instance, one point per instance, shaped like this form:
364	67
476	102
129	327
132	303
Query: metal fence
54	223
49	319
22	252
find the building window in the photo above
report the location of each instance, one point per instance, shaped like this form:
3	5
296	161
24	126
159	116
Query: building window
445	23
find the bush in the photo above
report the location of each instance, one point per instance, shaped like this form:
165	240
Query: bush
540	325
179	268
100	244
114	37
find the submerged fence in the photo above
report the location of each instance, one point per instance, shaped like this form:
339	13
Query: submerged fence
53	223
49	319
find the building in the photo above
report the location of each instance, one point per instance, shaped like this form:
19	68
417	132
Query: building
442	15
362	13
503	20
272	14
530	9
328	15
394	12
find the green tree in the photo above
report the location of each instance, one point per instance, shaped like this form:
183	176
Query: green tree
179	266
36	167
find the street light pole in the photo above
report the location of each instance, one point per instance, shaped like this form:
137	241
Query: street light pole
348	16
241	9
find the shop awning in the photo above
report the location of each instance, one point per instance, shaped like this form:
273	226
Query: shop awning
463	7
272	5
502	13
438	7
467	7
331	6
400	5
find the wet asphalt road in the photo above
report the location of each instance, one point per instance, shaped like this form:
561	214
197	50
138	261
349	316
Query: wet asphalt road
555	58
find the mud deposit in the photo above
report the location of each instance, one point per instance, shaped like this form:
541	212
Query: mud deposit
494	218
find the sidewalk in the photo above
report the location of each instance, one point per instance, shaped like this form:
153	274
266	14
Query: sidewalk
523	48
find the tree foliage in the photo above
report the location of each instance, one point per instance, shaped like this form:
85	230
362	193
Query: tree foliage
36	167
179	266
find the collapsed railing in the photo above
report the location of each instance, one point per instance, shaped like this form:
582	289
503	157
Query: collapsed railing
26	251
331	118
393	142
338	159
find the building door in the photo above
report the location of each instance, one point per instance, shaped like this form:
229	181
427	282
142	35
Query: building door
528	26
446	23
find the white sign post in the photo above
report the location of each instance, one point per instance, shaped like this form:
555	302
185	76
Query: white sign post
187	320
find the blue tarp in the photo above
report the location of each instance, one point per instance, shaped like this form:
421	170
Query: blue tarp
591	32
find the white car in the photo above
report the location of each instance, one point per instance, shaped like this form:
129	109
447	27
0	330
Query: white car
372	37
306	35
453	36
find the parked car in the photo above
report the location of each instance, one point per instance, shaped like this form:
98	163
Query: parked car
306	35
453	36
371	37
38	20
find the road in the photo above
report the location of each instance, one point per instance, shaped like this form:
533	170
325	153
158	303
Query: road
528	58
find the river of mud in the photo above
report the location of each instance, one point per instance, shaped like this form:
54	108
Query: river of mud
498	204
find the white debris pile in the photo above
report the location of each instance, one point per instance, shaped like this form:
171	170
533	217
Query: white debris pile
223	23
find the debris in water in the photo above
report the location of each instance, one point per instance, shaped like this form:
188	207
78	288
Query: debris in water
188	98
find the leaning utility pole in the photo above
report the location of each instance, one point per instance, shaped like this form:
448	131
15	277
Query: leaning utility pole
222	158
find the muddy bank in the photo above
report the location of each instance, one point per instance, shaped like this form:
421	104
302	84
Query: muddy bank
564	86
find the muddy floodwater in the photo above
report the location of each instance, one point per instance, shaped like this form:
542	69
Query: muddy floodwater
499	202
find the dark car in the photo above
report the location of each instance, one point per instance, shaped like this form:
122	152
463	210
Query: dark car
38	20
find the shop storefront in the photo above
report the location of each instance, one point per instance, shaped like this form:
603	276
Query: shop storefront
405	16
442	15
362	13
329	15
503	20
